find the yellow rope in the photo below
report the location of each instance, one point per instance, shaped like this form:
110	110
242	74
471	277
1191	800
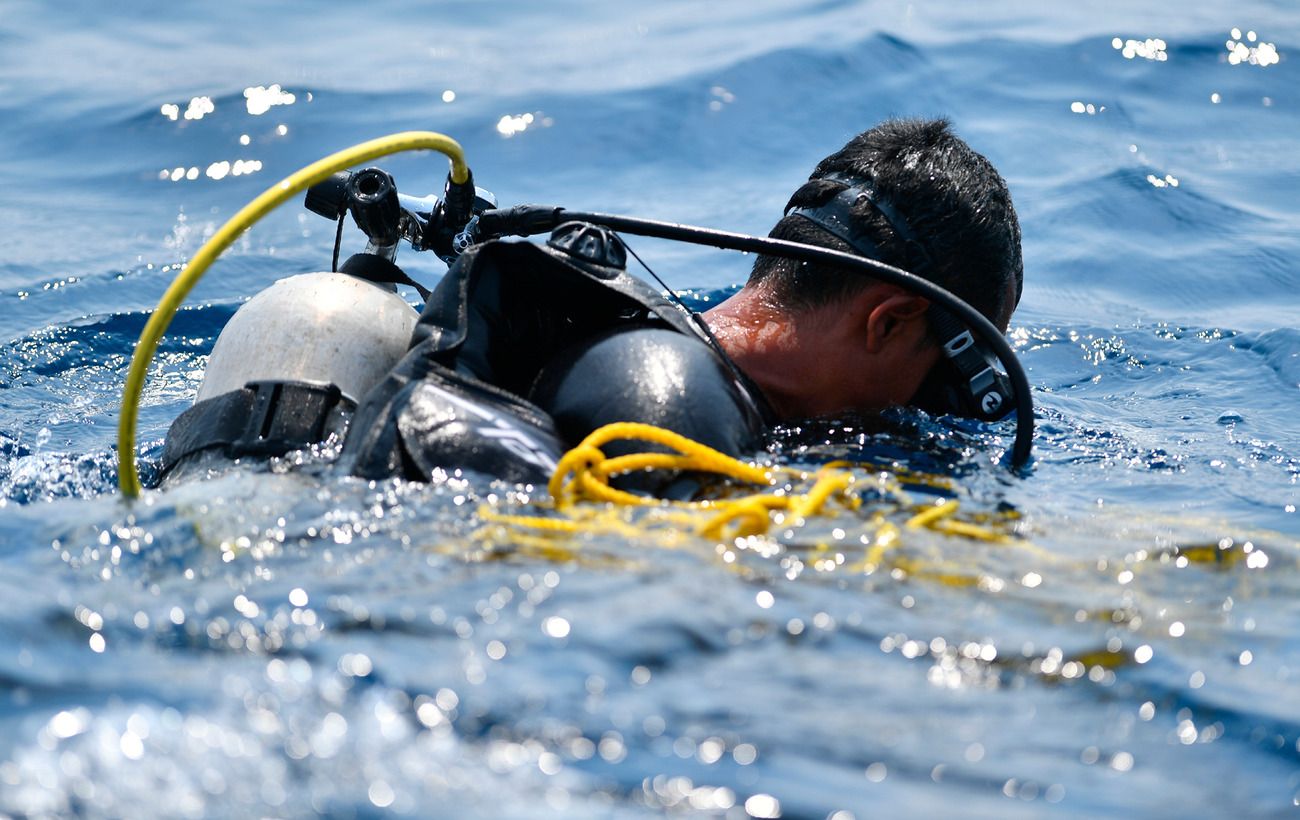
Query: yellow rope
584	503
887	537
974	531
128	478
584	472
827	485
931	515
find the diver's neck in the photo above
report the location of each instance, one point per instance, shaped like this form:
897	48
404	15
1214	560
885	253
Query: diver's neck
762	340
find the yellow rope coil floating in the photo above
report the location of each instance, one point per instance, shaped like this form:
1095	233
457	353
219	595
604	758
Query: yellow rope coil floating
583	503
128	477
584	474
591	471
931	515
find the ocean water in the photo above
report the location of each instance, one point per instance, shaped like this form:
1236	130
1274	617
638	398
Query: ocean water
293	643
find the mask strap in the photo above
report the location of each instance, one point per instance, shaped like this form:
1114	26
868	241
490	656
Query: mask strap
834	217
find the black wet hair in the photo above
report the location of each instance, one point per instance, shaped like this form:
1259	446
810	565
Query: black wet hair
953	199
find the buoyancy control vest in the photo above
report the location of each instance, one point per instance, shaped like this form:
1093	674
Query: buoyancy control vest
523	349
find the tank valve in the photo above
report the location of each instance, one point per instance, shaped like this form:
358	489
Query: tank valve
372	199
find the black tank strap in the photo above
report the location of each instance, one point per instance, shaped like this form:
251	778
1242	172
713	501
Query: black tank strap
264	418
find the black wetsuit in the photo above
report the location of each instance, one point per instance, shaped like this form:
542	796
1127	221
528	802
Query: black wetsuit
524	349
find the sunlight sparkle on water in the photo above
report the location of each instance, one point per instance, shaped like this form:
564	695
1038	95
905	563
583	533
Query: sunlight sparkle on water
215	171
68	724
763	805
1152	48
556	627
260	99
197	109
1241	51
509	125
721	97
381	794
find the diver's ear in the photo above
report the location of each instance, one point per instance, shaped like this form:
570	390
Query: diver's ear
895	316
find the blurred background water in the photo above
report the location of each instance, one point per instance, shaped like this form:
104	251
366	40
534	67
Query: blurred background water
295	643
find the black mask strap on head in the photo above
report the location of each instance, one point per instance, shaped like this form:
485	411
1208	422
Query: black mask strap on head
973	386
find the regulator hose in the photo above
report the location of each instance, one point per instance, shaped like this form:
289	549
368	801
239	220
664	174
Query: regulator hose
128	477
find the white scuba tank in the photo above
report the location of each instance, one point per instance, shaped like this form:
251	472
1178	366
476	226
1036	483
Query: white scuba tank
314	327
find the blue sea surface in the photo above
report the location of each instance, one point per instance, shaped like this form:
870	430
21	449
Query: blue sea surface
295	643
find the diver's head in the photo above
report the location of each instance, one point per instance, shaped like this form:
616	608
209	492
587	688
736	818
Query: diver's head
908	193
956	205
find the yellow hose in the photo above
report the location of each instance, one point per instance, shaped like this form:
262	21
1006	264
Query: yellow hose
128	478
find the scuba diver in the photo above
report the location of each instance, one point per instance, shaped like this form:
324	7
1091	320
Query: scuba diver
518	355
524	348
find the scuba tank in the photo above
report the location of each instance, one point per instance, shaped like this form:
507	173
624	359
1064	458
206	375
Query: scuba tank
290	366
322	328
